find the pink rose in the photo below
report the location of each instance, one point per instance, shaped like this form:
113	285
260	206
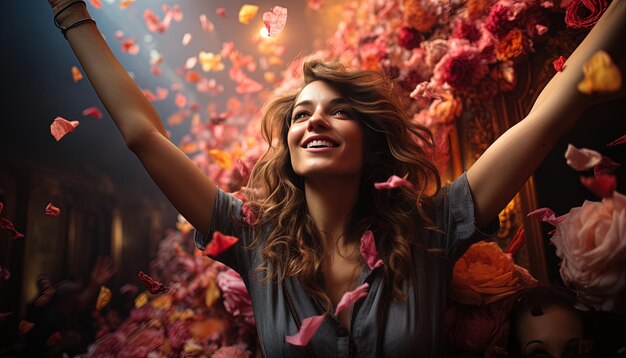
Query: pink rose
583	14
590	242
236	299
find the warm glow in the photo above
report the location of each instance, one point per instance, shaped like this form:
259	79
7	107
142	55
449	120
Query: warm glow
264	33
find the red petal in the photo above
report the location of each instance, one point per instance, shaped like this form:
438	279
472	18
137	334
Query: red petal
516	242
618	141
307	330
151	284
602	185
219	243
54	339
392	183
93	112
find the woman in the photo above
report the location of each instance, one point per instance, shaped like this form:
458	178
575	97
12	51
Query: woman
342	132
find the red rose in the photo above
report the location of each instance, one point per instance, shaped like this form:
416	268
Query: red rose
409	38
583	14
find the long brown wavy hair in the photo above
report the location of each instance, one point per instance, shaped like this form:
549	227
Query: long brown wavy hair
394	145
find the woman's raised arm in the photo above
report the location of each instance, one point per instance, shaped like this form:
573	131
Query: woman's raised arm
189	190
502	170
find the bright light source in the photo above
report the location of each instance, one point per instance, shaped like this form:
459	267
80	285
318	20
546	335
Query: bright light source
263	32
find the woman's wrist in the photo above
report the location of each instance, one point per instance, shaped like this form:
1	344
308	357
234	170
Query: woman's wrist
69	13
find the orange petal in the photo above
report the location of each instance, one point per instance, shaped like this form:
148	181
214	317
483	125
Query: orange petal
601	75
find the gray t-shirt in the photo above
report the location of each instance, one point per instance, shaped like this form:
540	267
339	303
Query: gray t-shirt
412	327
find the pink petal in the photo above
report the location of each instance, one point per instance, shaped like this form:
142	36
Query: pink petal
582	159
220	12
350	297
618	141
61	127
393	182
186	39
247	85
8	225
206	24
275	20
602	185
52	210
547	215
219	243
368	250
307	330
93	112
4	315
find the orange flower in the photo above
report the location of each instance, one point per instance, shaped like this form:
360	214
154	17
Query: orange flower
485	274
511	46
417	16
476	8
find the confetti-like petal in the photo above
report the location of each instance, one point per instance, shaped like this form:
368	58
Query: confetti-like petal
52	210
97	4
126	3
24	326
606	166
61	126
368	250
601	75
54	339
8	225
219	244
307	330
350	297
93	112
151	284
153	22
247	13
76	74
186	39
206	24
559	63
220	12
275	20
223	159
393	182
602	185
248	85
582	159
547	215
5	274
618	141
104	297
210	61
4	315
130	46
180	100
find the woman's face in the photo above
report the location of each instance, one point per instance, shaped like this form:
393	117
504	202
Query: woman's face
555	333
325	137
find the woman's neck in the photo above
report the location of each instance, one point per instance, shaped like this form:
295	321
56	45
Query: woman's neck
331	202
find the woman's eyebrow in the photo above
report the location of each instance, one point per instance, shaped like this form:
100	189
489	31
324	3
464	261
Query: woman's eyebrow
334	101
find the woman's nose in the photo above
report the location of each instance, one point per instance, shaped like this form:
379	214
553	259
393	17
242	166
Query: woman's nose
317	122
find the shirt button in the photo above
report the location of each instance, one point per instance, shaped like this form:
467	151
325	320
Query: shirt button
342	331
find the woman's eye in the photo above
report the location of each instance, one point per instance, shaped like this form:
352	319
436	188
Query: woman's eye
299	116
342	112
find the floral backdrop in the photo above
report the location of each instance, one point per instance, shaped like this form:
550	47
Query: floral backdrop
447	56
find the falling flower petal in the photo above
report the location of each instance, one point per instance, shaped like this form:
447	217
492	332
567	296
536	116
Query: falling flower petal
186	39
582	159
61	126
52	210
393	182
4	315
307	330
8	225
220	12
93	112
54	339
210	61
104	297
76	74
97	4
219	244
153	22
180	100
5	274
206	24
368	250
248	85
141	299
547	215
350	297
606	166
223	159
558	63
618	141
152	285
602	185
130	46
275	20
126	3
24	326
247	13
601	75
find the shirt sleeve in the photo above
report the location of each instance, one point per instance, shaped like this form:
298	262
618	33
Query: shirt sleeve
455	216
227	219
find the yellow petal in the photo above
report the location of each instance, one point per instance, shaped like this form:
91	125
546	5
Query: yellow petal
212	294
141	299
222	158
104	297
601	75
162	302
247	13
